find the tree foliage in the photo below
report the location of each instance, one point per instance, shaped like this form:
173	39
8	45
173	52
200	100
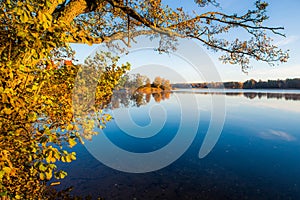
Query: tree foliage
36	114
37	124
56	22
37	117
98	21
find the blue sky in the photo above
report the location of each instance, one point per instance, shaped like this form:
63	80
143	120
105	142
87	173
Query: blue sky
282	13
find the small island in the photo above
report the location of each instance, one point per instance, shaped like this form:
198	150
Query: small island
159	85
142	84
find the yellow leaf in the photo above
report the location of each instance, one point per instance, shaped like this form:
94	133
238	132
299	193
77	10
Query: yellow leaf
72	142
42	176
24	17
7	111
48	175
70	127
48	159
6	170
55	183
68	159
73	157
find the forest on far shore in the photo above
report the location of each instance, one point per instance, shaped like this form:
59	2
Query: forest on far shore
249	84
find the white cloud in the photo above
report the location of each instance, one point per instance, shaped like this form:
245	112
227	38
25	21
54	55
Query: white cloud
288	40
291	106
276	134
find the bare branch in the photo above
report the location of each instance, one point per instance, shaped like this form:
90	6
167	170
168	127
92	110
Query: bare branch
135	15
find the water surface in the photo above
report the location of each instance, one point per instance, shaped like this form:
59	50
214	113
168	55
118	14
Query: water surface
257	155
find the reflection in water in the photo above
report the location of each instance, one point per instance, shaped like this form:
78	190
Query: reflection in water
275	134
249	94
295	97
256	157
123	98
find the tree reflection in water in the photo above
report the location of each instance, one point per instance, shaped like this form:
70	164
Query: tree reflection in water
123	98
287	95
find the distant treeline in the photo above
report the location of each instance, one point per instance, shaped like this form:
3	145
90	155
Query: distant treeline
249	84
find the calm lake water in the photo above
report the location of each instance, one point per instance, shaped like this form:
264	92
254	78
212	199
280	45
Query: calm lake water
256	156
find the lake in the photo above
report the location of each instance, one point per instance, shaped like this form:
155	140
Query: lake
232	144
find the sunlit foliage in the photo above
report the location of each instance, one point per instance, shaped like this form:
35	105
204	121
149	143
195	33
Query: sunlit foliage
36	82
37	76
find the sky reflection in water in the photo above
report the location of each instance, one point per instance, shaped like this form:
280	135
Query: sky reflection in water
256	157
